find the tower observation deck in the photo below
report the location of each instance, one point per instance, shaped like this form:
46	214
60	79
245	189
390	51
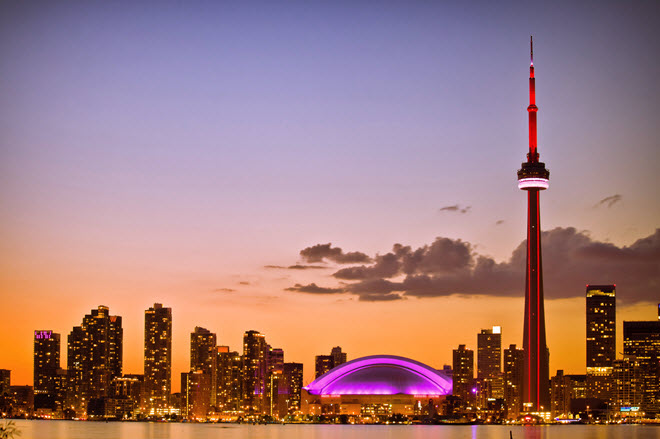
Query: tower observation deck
533	177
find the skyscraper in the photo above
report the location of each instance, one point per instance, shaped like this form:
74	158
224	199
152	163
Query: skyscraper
157	359
229	377
94	357
325	363
489	362
203	356
46	364
533	178
463	374
338	357
254	371
601	339
514	362
641	340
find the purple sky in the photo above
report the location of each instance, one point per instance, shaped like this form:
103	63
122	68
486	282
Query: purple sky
153	151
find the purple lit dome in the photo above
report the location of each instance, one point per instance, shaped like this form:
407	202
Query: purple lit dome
381	375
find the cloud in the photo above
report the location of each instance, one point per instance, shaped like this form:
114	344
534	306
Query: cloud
297	267
455	208
609	201
244	283
314	289
498	222
319	252
224	290
571	259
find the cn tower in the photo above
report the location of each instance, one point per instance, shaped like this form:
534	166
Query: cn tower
533	178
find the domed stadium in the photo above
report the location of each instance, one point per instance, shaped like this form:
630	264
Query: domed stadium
383	384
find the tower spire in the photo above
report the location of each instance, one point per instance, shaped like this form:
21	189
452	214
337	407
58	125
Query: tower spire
533	178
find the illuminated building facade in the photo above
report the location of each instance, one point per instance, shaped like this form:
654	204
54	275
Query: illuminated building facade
379	383
533	178
627	386
94	357
641	340
290	389
514	363
601	339
463	374
157	359
203	358
5	381
196	392
46	364
325	363
229	373
489	362
255	350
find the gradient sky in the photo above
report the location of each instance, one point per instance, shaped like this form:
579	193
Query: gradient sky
172	151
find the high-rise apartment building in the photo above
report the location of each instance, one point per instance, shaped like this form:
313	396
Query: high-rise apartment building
489	362
46	364
627	385
94	357
601	339
290	389
202	356
5	381
463	374
641	340
255	350
157	360
229	378
338	357
514	362
325	363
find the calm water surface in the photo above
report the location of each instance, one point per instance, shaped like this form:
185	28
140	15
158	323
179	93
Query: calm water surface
141	430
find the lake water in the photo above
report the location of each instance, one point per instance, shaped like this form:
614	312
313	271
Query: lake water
139	430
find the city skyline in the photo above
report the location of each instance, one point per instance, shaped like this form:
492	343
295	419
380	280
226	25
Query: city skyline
205	158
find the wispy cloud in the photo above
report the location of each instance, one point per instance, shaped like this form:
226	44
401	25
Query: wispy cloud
609	201
321	252
297	267
224	290
499	222
455	208
314	289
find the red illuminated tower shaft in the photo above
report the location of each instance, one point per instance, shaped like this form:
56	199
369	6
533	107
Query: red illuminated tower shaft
533	178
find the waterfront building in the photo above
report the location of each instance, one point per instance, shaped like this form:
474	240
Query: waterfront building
463	374
325	363
196	392
229	373
255	350
157	360
5	381
642	341
514	361
489	363
383	384
94	357
202	356
46	364
627	386
601	339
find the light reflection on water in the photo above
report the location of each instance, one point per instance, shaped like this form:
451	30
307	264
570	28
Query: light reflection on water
143	430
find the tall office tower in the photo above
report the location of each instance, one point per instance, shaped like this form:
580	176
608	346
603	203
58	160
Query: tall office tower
560	395
254	371
157	360
533	178
463	376
196	390
274	371
94	356
601	339
489	361
290	388
627	384
229	372
338	357
323	364
642	341
46	364
5	381
514	363
202	356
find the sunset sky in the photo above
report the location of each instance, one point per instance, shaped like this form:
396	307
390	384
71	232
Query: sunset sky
327	173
